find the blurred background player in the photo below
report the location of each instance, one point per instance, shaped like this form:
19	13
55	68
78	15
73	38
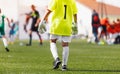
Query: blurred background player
95	25
117	31
61	28
112	33
34	14
2	30
13	31
104	24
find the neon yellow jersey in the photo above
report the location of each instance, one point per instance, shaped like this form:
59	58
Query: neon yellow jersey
62	16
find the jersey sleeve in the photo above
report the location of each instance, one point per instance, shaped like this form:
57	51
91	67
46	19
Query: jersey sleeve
74	7
52	5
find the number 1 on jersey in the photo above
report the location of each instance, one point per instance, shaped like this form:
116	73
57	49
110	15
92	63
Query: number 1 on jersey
65	6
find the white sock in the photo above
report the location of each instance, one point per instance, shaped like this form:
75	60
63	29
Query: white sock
53	49
65	55
5	42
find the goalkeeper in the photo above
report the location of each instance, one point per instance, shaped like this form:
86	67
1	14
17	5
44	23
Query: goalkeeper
63	12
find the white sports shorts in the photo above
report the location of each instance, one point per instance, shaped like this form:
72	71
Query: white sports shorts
61	38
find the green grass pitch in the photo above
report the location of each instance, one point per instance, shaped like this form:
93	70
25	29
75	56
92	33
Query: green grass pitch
84	58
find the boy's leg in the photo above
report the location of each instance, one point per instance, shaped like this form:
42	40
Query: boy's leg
30	39
65	55
40	38
54	52
5	43
53	49
2	32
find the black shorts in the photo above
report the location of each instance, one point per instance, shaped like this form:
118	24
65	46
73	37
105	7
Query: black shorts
33	28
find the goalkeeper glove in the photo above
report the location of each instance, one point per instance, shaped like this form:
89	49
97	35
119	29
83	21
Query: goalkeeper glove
42	27
74	29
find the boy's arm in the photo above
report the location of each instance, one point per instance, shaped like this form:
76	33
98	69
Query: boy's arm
26	21
8	22
44	19
75	18
46	14
74	25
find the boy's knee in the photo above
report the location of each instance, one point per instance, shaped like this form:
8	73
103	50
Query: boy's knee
53	40
64	44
